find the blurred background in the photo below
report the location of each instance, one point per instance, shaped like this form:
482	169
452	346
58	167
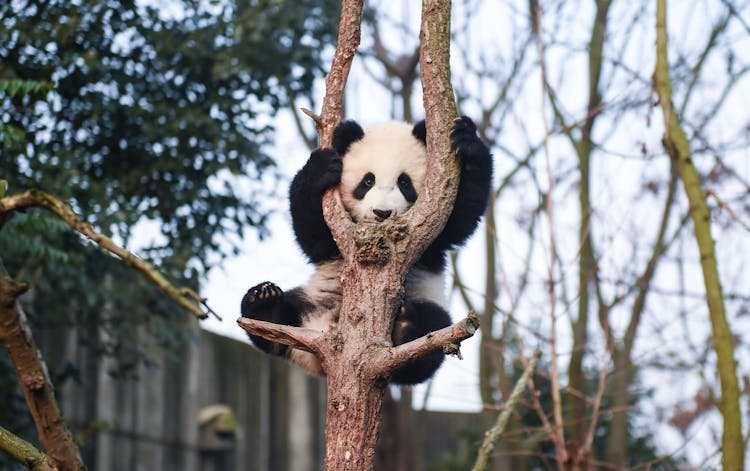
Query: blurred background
174	127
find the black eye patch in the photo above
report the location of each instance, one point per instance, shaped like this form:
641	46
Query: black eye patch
406	187
367	182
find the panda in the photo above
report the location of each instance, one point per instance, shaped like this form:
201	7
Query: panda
380	174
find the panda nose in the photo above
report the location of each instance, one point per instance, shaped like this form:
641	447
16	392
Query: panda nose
382	213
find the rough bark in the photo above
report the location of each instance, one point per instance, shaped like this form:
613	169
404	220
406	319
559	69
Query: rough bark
679	150
15	336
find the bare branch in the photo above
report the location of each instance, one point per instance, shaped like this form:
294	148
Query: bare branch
349	37
24	452
678	147
558	437
295	337
493	434
728	208
392	358
33	198
588	442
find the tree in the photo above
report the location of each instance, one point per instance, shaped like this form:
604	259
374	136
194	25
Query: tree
137	117
678	147
378	255
629	315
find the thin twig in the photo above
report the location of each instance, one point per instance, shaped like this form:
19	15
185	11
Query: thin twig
728	209
586	447
558	435
493	434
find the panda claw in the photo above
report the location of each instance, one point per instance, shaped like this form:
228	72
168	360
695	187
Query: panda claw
463	124
464	136
325	168
263	292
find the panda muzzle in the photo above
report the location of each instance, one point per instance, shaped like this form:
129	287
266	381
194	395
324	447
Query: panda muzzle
382	214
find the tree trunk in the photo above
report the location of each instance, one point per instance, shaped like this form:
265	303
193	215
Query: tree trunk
16	338
679	149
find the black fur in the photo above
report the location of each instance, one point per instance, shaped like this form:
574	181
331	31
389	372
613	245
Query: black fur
420	131
322	171
368	181
345	134
415	319
267	302
406	187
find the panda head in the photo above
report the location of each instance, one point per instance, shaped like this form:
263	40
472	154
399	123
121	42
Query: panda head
383	168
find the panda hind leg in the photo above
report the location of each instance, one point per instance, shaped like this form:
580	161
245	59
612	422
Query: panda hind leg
267	302
416	319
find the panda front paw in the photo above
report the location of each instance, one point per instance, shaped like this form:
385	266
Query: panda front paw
464	138
324	168
260	296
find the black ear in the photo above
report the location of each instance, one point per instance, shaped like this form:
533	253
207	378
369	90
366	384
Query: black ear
420	132
345	134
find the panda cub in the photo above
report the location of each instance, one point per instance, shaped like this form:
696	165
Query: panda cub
379	174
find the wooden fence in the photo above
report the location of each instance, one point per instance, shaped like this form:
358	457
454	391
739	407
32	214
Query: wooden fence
152	422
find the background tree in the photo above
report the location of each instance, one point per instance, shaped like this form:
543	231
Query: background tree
629	323
149	114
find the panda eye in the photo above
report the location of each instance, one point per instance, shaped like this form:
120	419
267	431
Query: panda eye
407	188
369	180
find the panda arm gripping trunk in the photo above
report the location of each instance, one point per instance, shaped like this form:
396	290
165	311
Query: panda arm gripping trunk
356	354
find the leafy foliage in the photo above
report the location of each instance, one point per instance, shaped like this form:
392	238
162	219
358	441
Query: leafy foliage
18	87
149	113
139	116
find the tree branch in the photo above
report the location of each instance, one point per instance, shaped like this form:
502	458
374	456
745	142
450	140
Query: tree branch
559	432
296	337
349	37
16	338
390	359
24	452
185	297
430	212
678	147
493	434
377	257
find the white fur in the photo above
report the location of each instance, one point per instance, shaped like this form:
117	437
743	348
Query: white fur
386	150
427	286
324	287
323	290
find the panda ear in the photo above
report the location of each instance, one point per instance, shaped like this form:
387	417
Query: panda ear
345	134
420	132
